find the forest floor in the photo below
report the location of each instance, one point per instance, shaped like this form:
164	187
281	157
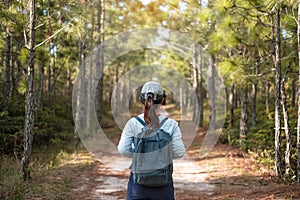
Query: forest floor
226	173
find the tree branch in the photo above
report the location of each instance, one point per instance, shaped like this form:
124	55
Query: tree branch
49	38
25	40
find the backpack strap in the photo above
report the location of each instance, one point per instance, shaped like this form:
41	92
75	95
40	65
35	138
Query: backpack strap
144	124
141	121
162	122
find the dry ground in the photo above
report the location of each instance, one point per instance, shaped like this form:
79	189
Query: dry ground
226	173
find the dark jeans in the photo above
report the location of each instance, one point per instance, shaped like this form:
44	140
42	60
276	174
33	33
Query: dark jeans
136	191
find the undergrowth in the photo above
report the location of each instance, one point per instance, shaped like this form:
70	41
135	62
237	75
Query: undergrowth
260	140
47	182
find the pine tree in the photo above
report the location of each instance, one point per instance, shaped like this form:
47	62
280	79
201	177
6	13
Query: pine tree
29	109
298	124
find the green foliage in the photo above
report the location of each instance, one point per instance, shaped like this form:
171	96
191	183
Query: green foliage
259	143
237	33
263	157
50	127
53	128
23	56
260	140
22	87
11	133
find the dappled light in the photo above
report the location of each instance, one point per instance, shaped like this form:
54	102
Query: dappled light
72	75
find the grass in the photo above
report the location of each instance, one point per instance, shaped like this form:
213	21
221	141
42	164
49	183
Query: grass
10	176
48	171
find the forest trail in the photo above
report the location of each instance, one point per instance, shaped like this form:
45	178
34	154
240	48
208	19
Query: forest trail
226	173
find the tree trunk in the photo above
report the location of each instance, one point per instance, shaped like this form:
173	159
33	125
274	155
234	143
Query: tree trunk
49	73
52	72
286	129
14	85
232	100
212	94
244	118
298	123
236	100
100	61
117	95
80	91
201	103
18	62
41	86
90	71
200	91
195	80
29	106
277	96
7	68
253	105
293	95
268	101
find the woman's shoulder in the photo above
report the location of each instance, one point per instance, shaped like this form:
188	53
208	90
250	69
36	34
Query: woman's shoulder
170	122
133	120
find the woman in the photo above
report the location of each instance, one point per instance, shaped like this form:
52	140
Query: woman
151	97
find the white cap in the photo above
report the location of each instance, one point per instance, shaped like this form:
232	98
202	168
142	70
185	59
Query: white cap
152	87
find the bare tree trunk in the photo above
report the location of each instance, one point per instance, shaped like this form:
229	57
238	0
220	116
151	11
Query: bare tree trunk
277	96
100	59
7	68
52	71
253	104
200	90
79	102
29	106
244	117
197	84
268	101
212	93
195	80
118	88
286	129
232	100
298	123
90	74
293	95
41	86
49	74
236	99
14	85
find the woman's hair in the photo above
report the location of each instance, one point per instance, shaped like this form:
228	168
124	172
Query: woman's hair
150	115
151	96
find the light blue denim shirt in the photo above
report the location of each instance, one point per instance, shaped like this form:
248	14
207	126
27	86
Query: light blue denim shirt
133	127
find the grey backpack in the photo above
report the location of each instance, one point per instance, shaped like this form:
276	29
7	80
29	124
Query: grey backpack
152	156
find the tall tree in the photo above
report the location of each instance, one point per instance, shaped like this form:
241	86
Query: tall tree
277	93
100	59
286	127
298	123
232	104
7	67
244	117
90	69
29	106
253	104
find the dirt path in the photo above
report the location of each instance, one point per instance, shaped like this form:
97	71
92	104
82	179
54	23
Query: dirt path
226	173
